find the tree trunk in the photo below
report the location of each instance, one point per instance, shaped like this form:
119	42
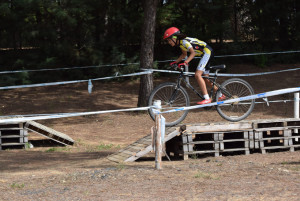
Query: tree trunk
147	49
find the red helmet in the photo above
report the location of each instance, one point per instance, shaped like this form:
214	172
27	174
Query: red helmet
173	31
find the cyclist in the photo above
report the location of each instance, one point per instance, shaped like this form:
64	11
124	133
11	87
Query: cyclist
196	48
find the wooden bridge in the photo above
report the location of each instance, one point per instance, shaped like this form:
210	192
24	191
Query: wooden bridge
219	138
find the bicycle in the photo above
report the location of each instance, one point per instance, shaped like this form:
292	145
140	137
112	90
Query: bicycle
173	95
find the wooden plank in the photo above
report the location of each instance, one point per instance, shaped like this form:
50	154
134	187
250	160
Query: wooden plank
221	142
1	129
117	158
48	132
295	145
202	152
235	140
199	142
261	142
274	138
139	154
130	153
12	144
251	140
268	130
134	149
286	135
185	142
276	147
235	149
139	146
190	140
11	136
219	128
217	149
256	140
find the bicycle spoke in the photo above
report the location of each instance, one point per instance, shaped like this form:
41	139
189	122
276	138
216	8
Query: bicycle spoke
170	99
240	109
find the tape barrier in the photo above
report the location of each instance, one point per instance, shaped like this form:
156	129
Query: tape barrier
110	65
259	53
255	96
226	74
17	119
75	81
65	68
145	71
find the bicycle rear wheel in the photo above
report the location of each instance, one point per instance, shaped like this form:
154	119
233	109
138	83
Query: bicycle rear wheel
171	97
235	88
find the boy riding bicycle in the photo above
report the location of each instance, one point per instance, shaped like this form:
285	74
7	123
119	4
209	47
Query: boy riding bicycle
196	48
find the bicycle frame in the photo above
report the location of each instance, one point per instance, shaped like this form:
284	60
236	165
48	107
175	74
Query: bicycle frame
211	79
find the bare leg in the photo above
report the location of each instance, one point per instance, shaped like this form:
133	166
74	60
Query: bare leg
201	82
209	83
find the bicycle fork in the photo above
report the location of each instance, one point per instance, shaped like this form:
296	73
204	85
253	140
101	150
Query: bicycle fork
175	92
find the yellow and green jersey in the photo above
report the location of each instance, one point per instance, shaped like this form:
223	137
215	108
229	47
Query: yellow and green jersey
199	46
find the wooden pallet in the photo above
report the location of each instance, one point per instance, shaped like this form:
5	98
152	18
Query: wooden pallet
141	147
244	136
234	141
253	135
13	136
275	123
200	143
216	143
49	133
274	139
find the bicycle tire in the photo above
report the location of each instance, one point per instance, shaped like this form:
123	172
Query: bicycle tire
164	92
239	110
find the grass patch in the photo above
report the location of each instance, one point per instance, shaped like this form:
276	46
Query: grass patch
295	168
120	166
16	185
58	149
104	147
80	145
204	175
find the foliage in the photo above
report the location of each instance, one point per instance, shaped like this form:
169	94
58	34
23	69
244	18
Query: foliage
49	34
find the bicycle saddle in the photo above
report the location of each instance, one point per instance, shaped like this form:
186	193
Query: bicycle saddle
218	67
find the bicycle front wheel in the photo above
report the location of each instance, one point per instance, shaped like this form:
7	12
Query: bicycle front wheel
171	97
235	88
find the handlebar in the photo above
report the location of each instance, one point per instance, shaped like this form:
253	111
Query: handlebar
176	67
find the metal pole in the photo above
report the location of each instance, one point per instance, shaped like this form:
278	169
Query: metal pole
186	69
296	109
158	143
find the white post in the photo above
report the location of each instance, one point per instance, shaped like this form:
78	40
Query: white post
158	143
296	109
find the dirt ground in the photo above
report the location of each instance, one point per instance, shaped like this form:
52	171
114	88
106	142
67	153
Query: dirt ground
82	172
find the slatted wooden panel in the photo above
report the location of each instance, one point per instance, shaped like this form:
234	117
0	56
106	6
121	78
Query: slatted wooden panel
12	136
49	133
141	147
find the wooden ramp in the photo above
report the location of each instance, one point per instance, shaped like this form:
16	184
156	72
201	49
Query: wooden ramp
141	147
49	133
